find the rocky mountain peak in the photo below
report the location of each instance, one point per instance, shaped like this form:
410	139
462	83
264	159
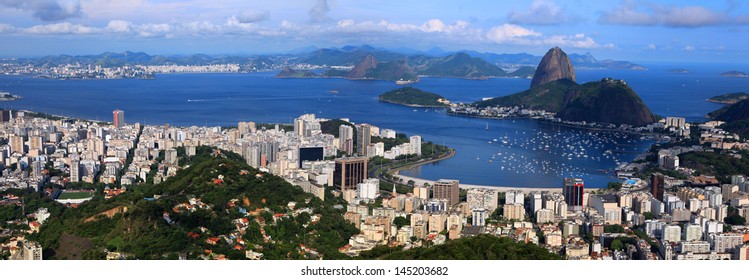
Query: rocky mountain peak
555	65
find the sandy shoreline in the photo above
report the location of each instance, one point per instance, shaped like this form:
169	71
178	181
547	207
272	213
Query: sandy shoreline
420	181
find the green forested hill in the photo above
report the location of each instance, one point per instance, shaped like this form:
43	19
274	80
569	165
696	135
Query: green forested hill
736	117
143	232
480	247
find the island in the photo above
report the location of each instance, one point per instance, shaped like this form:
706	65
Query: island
729	98
292	73
679	70
6	96
734	74
414	97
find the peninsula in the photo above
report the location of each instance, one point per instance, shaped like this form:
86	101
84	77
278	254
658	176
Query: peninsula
729	98
553	89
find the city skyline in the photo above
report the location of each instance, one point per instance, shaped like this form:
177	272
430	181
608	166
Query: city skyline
633	30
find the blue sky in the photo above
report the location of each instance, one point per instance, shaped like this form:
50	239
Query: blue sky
638	30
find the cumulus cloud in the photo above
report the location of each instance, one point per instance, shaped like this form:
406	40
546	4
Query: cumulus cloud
345	23
628	13
433	30
319	12
577	41
541	12
430	26
61	28
6	28
252	16
518	35
688	48
650	47
509	33
46	10
436	25
119	26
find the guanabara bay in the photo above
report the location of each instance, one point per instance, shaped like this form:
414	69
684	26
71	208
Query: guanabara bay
373	133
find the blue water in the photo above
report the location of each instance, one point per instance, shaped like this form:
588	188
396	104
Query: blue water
225	99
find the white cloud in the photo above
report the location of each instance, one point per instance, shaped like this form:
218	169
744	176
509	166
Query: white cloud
61	28
628	13
541	12
46	10
509	33
252	16
688	48
6	28
651	47
319	12
518	35
343	31
345	23
569	41
398	27
119	26
436	25
154	30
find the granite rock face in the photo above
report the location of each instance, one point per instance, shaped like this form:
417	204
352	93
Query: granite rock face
360	70
554	66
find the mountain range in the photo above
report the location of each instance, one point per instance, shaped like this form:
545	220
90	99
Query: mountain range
347	55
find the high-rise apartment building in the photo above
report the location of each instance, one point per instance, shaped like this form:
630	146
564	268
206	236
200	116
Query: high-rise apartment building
346	139
446	189
119	118
573	191
349	172
364	138
656	185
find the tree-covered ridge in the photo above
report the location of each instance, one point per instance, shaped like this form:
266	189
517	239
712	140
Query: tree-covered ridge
292	73
729	98
720	165
395	70
410	96
548	97
460	65
736	117
480	247
606	101
218	207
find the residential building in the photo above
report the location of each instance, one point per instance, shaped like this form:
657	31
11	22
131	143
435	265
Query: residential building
446	189
573	190
349	172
